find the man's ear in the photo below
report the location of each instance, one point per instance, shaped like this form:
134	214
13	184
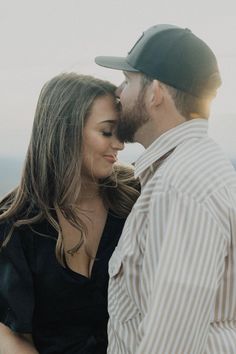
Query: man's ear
155	95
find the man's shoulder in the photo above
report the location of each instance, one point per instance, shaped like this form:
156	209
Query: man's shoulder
197	168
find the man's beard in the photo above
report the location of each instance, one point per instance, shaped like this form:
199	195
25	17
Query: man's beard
131	119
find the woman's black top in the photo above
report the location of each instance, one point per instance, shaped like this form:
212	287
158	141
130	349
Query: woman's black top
65	311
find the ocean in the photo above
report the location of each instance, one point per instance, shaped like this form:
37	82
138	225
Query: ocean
10	173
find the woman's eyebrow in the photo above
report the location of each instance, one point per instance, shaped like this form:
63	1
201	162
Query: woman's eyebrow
112	121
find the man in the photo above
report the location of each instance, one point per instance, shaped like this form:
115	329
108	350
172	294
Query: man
172	283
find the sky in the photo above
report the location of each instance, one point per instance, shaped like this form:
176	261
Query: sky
40	39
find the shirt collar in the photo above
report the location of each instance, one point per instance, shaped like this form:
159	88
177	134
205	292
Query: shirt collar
195	128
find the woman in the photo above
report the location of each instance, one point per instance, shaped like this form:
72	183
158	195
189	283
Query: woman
59	228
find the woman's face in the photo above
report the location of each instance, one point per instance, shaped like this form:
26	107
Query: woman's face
100	144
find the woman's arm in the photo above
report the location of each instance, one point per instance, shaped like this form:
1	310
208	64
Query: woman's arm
13	343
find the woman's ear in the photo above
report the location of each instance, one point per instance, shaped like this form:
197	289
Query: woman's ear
155	95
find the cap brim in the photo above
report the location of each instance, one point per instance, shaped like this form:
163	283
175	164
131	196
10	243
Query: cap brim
117	63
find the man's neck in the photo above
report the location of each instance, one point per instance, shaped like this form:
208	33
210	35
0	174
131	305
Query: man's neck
154	128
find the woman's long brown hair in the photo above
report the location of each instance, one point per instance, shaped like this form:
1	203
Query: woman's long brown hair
51	177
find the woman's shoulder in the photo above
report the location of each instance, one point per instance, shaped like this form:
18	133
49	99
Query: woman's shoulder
125	175
5	227
24	235
121	189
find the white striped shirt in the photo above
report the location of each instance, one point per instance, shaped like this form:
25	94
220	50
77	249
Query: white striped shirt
172	286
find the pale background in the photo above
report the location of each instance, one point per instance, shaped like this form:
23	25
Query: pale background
40	39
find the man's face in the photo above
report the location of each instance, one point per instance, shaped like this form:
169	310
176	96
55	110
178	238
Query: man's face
134	113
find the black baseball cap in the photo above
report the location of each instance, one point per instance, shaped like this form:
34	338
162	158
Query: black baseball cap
173	55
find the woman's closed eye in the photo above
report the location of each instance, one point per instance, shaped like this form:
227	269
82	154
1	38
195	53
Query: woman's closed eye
107	133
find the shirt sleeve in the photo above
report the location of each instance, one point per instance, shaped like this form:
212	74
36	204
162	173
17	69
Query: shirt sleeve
190	264
16	285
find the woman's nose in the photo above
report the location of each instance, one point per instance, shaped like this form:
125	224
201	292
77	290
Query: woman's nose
117	144
120	89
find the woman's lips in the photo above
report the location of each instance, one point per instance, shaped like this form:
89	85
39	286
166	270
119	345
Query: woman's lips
110	158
